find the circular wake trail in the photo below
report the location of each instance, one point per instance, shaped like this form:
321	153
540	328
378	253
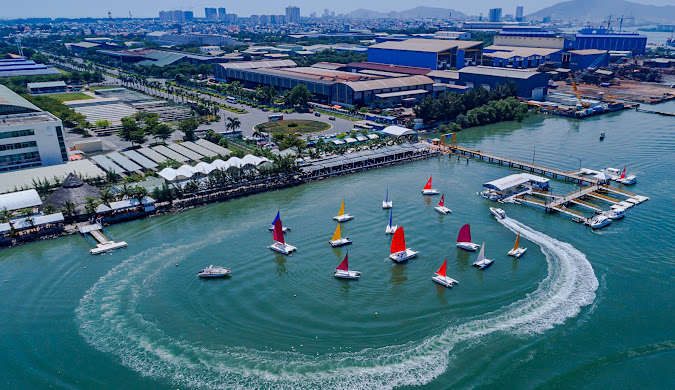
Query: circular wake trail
109	320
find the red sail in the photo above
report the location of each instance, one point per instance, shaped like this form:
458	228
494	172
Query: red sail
344	266
623	174
464	234
398	242
441	271
428	186
278	232
442	202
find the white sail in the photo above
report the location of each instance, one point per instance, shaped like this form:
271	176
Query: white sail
481	255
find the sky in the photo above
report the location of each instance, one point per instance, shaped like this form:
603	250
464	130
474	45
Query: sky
151	8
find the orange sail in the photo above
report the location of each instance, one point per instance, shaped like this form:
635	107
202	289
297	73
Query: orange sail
344	266
442	271
398	242
623	174
278	232
442	202
428	186
517	242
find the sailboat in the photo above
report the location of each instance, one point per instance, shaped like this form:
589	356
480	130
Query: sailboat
517	251
427	190
399	252
337	239
482	262
464	239
283	228
627	180
386	203
279	243
391	228
442	277
342	271
441	206
342	217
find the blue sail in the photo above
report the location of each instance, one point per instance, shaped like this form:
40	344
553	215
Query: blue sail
276	218
386	199
390	213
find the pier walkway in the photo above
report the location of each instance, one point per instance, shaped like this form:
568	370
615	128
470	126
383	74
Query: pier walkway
103	244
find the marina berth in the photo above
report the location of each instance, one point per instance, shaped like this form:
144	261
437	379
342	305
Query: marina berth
514	185
427	190
342	216
337	239
279	244
442	278
464	239
441	206
399	252
517	251
482	262
342	271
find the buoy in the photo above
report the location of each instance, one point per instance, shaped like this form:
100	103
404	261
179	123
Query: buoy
176	264
294	295
85	267
375	313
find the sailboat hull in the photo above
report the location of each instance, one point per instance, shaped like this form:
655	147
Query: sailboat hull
442	209
285	249
340	274
390	229
403	255
444	281
430	192
387	205
517	252
469	246
482	264
343	218
283	229
340	242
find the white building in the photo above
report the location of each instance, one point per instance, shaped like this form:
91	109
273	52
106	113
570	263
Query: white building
29	137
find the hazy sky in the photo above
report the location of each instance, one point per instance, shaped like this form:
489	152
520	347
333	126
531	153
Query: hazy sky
150	8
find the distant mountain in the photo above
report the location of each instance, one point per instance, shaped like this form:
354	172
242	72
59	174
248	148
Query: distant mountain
601	9
415	13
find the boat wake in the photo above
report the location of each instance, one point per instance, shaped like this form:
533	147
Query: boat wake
111	321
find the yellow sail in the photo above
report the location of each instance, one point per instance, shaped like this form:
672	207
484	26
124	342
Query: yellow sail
336	235
342	208
517	241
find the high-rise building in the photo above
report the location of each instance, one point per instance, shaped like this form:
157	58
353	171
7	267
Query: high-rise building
165	16
519	13
326	12
211	14
188	16
177	16
222	14
495	15
292	14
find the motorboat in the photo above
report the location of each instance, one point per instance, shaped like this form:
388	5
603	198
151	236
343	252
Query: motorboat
279	242
391	228
342	217
491	195
386	203
441	206
517	251
427	190
442	277
602	136
482	262
213	272
612	173
464	239
615	214
498	213
399	252
337	239
342	271
599	221
283	228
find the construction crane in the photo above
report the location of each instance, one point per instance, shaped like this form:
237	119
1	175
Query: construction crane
130	17
621	19
18	45
576	92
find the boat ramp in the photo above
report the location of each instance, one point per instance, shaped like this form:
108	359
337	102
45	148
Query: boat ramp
94	232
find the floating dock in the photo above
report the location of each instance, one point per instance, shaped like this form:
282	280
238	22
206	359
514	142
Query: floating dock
95	233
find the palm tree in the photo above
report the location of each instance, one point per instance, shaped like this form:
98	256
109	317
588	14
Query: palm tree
68	208
233	123
5	215
90	204
107	197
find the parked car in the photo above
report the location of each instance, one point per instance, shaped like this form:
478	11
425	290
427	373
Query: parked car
265	109
317	114
331	118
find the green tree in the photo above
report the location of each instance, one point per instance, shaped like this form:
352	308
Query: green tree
188	127
162	131
129	126
68	209
300	96
233	123
102	124
107	197
90	205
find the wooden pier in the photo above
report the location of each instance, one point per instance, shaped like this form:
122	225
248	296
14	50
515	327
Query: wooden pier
103	244
664	113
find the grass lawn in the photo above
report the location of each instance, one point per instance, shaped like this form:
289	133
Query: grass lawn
64	97
63	71
103	87
304	126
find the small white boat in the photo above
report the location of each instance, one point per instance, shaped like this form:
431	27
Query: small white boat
427	190
342	271
483	262
599	221
337	239
442	278
615	214
517	251
498	213
386	203
213	272
626	180
342	217
464	239
391	228
283	228
441	206
399	252
279	242
612	173
633	201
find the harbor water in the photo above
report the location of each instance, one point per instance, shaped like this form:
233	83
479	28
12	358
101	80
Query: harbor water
582	308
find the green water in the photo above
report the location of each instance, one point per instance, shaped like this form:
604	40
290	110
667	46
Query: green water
579	309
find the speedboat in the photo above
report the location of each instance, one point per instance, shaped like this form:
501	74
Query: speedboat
427	190
464	239
498	213
613	173
599	221
342	271
482	262
337	239
213	272
399	252
442	278
615	214
602	136
517	251
441	206
342	217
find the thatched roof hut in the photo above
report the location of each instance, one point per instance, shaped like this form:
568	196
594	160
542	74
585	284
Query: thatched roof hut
72	190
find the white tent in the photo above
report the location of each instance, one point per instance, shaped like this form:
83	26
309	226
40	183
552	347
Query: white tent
203	168
398	131
19	200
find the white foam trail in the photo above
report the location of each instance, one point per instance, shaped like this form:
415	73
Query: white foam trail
110	322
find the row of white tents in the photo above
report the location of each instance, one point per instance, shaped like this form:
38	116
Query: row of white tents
186	171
